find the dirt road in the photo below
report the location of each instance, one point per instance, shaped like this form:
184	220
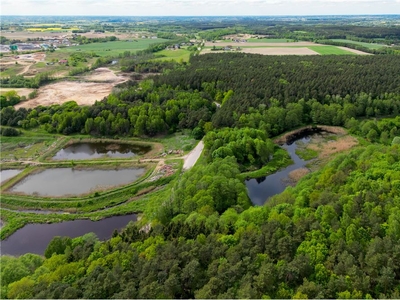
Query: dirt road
193	156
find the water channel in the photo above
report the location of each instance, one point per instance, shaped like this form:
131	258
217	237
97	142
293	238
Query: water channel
92	150
34	238
59	182
260	189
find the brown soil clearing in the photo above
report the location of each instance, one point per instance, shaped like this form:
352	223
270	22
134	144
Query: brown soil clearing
20	91
84	93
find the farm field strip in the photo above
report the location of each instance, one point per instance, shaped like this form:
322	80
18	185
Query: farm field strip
286	44
329	50
367	45
112	48
291	50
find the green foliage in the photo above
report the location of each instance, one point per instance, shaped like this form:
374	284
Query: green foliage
9	131
323	238
248	146
306	154
9	98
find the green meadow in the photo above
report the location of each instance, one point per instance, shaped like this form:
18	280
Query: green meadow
113	48
330	50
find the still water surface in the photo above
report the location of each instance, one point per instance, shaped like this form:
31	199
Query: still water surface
34	238
80	151
260	189
7	174
67	181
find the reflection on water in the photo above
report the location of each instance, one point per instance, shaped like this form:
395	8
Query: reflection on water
67	181
34	238
80	151
260	189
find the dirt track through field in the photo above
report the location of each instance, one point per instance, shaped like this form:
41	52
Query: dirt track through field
355	51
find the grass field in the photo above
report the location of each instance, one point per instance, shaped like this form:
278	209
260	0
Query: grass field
12	70
112	48
329	50
367	45
177	55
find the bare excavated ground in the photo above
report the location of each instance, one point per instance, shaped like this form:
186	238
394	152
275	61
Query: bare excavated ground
84	93
20	91
105	75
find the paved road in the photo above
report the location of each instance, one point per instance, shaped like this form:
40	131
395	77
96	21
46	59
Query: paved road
193	156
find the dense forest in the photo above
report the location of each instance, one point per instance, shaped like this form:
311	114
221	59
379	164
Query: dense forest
267	93
336	234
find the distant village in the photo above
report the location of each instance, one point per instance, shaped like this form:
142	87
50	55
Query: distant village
47	43
42	44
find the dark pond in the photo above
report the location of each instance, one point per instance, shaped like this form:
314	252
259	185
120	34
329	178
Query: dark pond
34	238
67	181
7	174
260	189
80	151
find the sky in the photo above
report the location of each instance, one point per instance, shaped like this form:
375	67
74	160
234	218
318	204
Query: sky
198	7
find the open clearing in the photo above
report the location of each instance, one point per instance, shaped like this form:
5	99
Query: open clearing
20	91
331	50
355	51
271	51
327	148
104	75
254	44
112	48
279	51
367	45
84	93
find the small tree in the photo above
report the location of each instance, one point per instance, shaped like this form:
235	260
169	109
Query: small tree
396	140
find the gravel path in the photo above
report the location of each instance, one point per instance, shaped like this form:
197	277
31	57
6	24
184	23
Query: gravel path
193	156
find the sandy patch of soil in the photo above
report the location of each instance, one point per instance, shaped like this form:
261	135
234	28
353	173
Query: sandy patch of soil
20	91
84	93
355	51
105	75
279	51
